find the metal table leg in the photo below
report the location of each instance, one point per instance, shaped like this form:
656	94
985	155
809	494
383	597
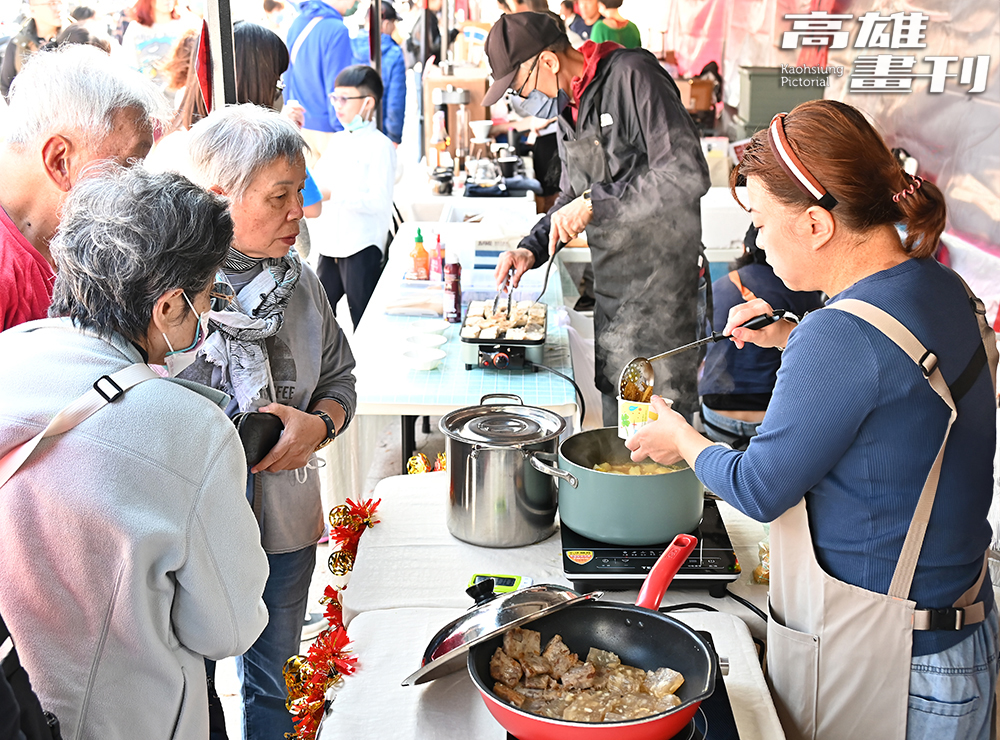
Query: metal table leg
408	436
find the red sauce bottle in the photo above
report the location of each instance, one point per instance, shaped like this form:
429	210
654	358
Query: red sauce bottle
452	289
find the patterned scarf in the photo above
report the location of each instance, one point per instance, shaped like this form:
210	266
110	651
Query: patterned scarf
236	261
238	346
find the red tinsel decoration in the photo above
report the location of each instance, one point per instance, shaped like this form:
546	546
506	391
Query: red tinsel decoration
349	521
309	677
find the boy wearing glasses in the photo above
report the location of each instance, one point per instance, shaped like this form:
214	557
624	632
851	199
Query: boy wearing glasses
356	175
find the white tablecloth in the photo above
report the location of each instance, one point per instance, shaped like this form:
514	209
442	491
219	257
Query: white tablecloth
409	581
411	560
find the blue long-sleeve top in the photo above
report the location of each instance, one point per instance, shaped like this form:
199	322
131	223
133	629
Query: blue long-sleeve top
393	82
854	427
319	59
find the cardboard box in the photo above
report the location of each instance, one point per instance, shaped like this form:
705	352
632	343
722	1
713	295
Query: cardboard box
764	92
697	94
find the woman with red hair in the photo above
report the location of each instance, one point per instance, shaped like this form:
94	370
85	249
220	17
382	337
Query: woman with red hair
149	39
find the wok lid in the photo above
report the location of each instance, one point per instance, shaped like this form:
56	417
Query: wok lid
492	615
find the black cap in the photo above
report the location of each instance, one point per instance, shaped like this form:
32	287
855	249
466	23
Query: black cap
513	40
389	13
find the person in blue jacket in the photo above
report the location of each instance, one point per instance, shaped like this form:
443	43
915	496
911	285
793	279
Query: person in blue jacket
319	47
393	74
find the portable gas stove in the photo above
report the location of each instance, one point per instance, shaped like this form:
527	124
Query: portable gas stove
714	719
591	565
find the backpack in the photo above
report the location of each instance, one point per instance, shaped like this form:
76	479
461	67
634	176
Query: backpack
32	722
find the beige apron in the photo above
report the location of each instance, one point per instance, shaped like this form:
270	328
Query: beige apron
838	656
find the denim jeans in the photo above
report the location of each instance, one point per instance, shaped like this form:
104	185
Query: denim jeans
952	693
262	685
721	428
265	716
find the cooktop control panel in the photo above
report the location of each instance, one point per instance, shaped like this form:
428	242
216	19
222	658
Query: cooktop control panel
499	357
590	564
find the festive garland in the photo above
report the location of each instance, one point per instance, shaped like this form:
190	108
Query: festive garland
420	463
309	678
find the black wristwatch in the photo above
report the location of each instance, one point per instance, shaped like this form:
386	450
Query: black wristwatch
331	429
587	200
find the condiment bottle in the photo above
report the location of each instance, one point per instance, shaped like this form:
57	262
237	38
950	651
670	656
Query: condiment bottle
439	137
437	262
452	289
461	137
421	267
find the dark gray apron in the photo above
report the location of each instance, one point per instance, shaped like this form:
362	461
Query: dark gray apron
645	281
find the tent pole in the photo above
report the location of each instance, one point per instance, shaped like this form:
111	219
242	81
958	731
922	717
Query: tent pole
375	48
220	39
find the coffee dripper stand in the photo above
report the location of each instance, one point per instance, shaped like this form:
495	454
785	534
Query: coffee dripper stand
481	165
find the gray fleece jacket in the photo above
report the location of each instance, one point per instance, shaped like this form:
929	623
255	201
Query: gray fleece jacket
127	551
310	361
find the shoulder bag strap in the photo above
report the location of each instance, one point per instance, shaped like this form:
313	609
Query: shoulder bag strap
734	278
989	343
106	389
302	37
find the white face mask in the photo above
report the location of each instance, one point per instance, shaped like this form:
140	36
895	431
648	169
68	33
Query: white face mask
178	360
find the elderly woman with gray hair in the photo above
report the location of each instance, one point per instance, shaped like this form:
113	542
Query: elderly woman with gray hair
129	554
276	348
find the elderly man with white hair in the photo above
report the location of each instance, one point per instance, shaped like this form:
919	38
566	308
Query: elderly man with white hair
68	109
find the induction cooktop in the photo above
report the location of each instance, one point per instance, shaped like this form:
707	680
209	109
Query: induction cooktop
592	565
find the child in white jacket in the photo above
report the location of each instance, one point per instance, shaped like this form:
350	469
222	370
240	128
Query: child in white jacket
356	174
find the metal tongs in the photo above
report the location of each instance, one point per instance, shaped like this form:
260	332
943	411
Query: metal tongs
548	269
510	292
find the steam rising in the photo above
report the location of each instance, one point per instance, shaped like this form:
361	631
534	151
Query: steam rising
661	297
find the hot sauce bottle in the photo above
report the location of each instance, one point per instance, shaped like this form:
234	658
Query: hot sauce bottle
421	260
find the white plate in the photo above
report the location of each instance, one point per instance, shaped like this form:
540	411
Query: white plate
426	340
430	327
424	358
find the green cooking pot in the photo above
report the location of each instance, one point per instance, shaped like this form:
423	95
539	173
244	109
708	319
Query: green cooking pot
621	509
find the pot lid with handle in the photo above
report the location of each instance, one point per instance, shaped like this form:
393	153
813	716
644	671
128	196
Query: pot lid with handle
493	614
502	425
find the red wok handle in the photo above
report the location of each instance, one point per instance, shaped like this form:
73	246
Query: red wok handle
663	572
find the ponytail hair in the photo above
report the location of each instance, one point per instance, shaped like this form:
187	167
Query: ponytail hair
841	149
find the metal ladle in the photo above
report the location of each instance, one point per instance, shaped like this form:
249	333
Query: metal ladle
636	380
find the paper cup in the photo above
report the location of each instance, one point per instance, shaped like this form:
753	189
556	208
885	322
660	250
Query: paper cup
633	416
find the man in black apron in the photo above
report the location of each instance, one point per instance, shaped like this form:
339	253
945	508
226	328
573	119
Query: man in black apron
633	176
